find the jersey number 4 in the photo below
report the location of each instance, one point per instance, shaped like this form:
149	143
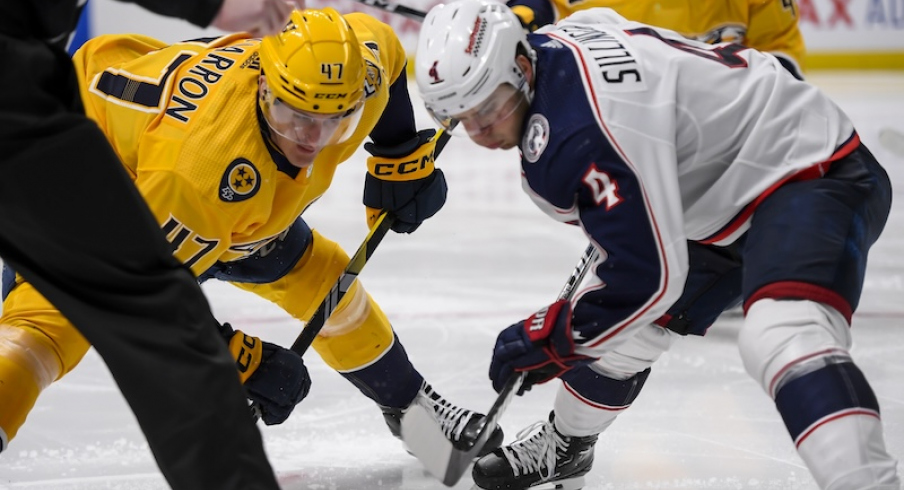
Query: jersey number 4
726	54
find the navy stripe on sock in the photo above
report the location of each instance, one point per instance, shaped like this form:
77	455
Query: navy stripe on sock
817	395
392	381
602	390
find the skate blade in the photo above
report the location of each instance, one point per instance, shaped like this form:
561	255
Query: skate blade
576	483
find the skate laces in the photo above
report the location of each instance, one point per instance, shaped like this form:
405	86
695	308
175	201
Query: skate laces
452	420
535	452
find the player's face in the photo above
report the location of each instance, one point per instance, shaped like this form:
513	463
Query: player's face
496	122
301	135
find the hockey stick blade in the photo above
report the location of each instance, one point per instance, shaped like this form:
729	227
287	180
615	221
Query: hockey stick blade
426	441
348	276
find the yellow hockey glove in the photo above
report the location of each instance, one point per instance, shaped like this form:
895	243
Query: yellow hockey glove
403	180
527	17
533	14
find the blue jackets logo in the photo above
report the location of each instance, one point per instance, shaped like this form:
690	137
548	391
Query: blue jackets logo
535	138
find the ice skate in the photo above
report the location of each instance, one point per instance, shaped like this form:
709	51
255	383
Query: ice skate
541	458
459	425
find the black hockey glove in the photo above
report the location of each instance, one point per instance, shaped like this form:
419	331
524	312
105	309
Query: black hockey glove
403	181
542	345
274	377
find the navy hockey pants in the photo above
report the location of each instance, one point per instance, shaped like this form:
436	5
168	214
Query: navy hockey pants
808	240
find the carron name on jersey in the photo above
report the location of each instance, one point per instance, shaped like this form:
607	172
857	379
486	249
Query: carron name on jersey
208	71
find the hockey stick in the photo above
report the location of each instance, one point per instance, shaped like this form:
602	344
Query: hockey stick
337	292
395	8
347	278
426	441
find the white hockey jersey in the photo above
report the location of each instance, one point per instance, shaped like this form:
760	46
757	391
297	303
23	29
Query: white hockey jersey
648	140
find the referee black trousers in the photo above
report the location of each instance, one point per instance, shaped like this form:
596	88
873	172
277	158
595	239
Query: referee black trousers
74	225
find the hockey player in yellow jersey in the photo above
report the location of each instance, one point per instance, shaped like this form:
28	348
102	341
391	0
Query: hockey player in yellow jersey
229	140
765	25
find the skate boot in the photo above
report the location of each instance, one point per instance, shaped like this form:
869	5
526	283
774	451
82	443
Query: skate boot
540	457
459	425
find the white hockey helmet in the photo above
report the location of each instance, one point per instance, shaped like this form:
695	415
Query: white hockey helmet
466	50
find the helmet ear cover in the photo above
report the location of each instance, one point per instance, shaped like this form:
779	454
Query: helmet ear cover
468	48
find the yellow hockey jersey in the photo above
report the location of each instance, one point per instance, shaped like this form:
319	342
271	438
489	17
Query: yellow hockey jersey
765	25
185	122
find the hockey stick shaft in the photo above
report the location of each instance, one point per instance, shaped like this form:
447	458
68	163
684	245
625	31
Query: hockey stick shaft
355	266
395	8
337	291
514	383
431	446
343	284
347	278
580	270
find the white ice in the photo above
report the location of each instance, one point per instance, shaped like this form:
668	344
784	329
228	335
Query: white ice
487	260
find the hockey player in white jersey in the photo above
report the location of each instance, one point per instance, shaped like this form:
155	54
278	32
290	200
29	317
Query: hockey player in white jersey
705	175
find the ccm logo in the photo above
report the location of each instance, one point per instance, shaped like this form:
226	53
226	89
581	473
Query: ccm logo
243	359
330	96
403	168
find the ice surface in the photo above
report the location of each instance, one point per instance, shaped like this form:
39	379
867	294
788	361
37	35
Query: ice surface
488	259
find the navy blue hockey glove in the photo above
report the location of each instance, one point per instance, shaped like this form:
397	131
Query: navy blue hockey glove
403	181
274	377
542	346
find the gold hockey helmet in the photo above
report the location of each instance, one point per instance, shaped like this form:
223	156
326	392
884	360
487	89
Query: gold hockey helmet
315	67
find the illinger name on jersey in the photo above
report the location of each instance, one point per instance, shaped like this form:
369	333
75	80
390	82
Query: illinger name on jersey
616	63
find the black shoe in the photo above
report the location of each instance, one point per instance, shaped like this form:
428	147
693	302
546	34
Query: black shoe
540	455
459	425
